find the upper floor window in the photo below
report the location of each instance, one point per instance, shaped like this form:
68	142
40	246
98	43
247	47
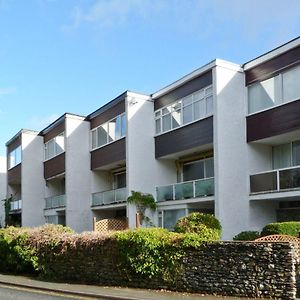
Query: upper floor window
14	157
286	155
198	169
281	88
55	146
109	131
191	108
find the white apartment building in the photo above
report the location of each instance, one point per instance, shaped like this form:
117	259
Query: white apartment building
224	139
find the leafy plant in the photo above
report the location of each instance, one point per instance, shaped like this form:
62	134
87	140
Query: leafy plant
142	201
206	225
289	228
247	236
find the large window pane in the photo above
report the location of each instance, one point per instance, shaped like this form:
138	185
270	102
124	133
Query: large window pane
112	130
291	86
17	155
102	135
187	114
209	168
157	125
50	149
209	105
166	122
120	180
94	139
296	153
261	95
282	156
118	128
199	109
176	115
171	217
59	144
192	171
123	125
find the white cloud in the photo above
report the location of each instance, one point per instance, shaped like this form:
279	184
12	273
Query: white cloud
39	123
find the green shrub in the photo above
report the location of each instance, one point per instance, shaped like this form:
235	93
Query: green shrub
289	228
149	252
15	254
205	225
247	236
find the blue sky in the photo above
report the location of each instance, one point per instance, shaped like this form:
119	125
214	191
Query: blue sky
61	56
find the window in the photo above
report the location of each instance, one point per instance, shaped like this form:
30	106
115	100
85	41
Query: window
109	132
281	88
14	157
194	107
286	155
120	180
198	169
170	217
55	146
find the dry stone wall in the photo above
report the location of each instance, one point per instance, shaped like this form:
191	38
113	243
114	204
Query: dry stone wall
265	270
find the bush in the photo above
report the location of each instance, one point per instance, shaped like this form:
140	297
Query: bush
148	251
15	254
205	225
289	228
18	251
247	236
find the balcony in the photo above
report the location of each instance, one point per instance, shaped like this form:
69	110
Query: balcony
55	201
286	179
186	190
109	197
16	205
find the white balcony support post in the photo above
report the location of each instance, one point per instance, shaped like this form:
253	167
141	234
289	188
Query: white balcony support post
174	191
278	180
194	188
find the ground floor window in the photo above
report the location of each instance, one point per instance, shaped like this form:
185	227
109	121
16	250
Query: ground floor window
288	211
168	218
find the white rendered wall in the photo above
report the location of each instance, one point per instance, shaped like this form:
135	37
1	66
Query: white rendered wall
33	182
144	172
230	155
78	190
2	189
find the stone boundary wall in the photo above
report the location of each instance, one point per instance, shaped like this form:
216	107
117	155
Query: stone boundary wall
248	269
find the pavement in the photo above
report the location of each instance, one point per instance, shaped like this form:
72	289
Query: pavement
99	292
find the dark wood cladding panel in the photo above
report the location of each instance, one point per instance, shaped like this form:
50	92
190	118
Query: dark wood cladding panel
108	154
55	131
187	137
275	121
14	175
273	66
54	166
15	144
109	114
184	90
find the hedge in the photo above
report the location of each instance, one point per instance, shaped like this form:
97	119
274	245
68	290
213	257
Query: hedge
46	250
289	228
205	225
247	236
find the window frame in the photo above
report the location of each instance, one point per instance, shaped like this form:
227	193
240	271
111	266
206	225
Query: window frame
121	117
158	114
280	89
56	153
19	148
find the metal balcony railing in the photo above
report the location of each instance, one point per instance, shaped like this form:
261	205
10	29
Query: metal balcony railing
109	197
55	201
186	190
275	181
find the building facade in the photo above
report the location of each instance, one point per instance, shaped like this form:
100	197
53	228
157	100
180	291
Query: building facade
224	139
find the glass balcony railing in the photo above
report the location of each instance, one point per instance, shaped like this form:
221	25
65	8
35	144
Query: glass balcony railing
16	205
186	190
55	201
275	181
109	197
